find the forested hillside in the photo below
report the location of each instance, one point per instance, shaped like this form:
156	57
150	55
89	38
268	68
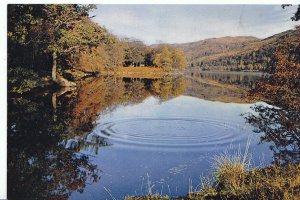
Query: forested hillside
233	53
212	46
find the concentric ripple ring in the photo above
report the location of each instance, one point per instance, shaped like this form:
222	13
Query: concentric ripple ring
176	132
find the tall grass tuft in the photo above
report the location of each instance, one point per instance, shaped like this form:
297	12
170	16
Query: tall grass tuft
231	170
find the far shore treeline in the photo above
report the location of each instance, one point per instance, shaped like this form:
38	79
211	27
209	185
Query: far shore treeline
50	40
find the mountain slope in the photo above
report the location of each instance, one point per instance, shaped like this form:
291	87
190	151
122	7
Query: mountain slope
233	53
213	46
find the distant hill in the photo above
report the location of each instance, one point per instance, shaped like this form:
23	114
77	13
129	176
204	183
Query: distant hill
214	46
233	53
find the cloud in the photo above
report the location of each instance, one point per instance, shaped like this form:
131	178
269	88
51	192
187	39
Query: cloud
187	23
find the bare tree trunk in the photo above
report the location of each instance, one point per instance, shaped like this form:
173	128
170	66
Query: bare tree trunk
54	104
54	67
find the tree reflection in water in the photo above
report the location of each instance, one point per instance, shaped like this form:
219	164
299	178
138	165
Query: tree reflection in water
49	133
281	127
39	164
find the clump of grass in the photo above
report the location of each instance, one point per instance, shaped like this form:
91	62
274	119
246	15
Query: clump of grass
230	171
234	179
273	182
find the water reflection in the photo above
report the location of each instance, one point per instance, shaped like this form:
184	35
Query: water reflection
241	79
281	129
104	94
48	131
39	164
202	126
54	148
224	87
171	141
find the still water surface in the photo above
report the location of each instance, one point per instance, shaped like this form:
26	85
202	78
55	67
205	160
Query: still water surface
118	136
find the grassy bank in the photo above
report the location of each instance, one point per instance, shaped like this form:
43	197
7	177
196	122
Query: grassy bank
140	72
233	179
233	182
145	72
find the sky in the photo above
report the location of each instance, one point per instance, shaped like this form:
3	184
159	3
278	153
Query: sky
188	23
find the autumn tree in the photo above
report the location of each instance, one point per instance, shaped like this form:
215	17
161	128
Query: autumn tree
93	60
179	60
108	55
115	52
168	57
163	58
280	121
282	84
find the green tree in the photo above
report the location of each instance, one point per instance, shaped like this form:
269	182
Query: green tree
69	29
23	30
135	52
60	30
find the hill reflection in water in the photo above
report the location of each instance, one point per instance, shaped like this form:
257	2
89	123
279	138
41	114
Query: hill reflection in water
112	131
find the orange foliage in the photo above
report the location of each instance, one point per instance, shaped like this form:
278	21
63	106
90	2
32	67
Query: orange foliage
94	60
282	86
